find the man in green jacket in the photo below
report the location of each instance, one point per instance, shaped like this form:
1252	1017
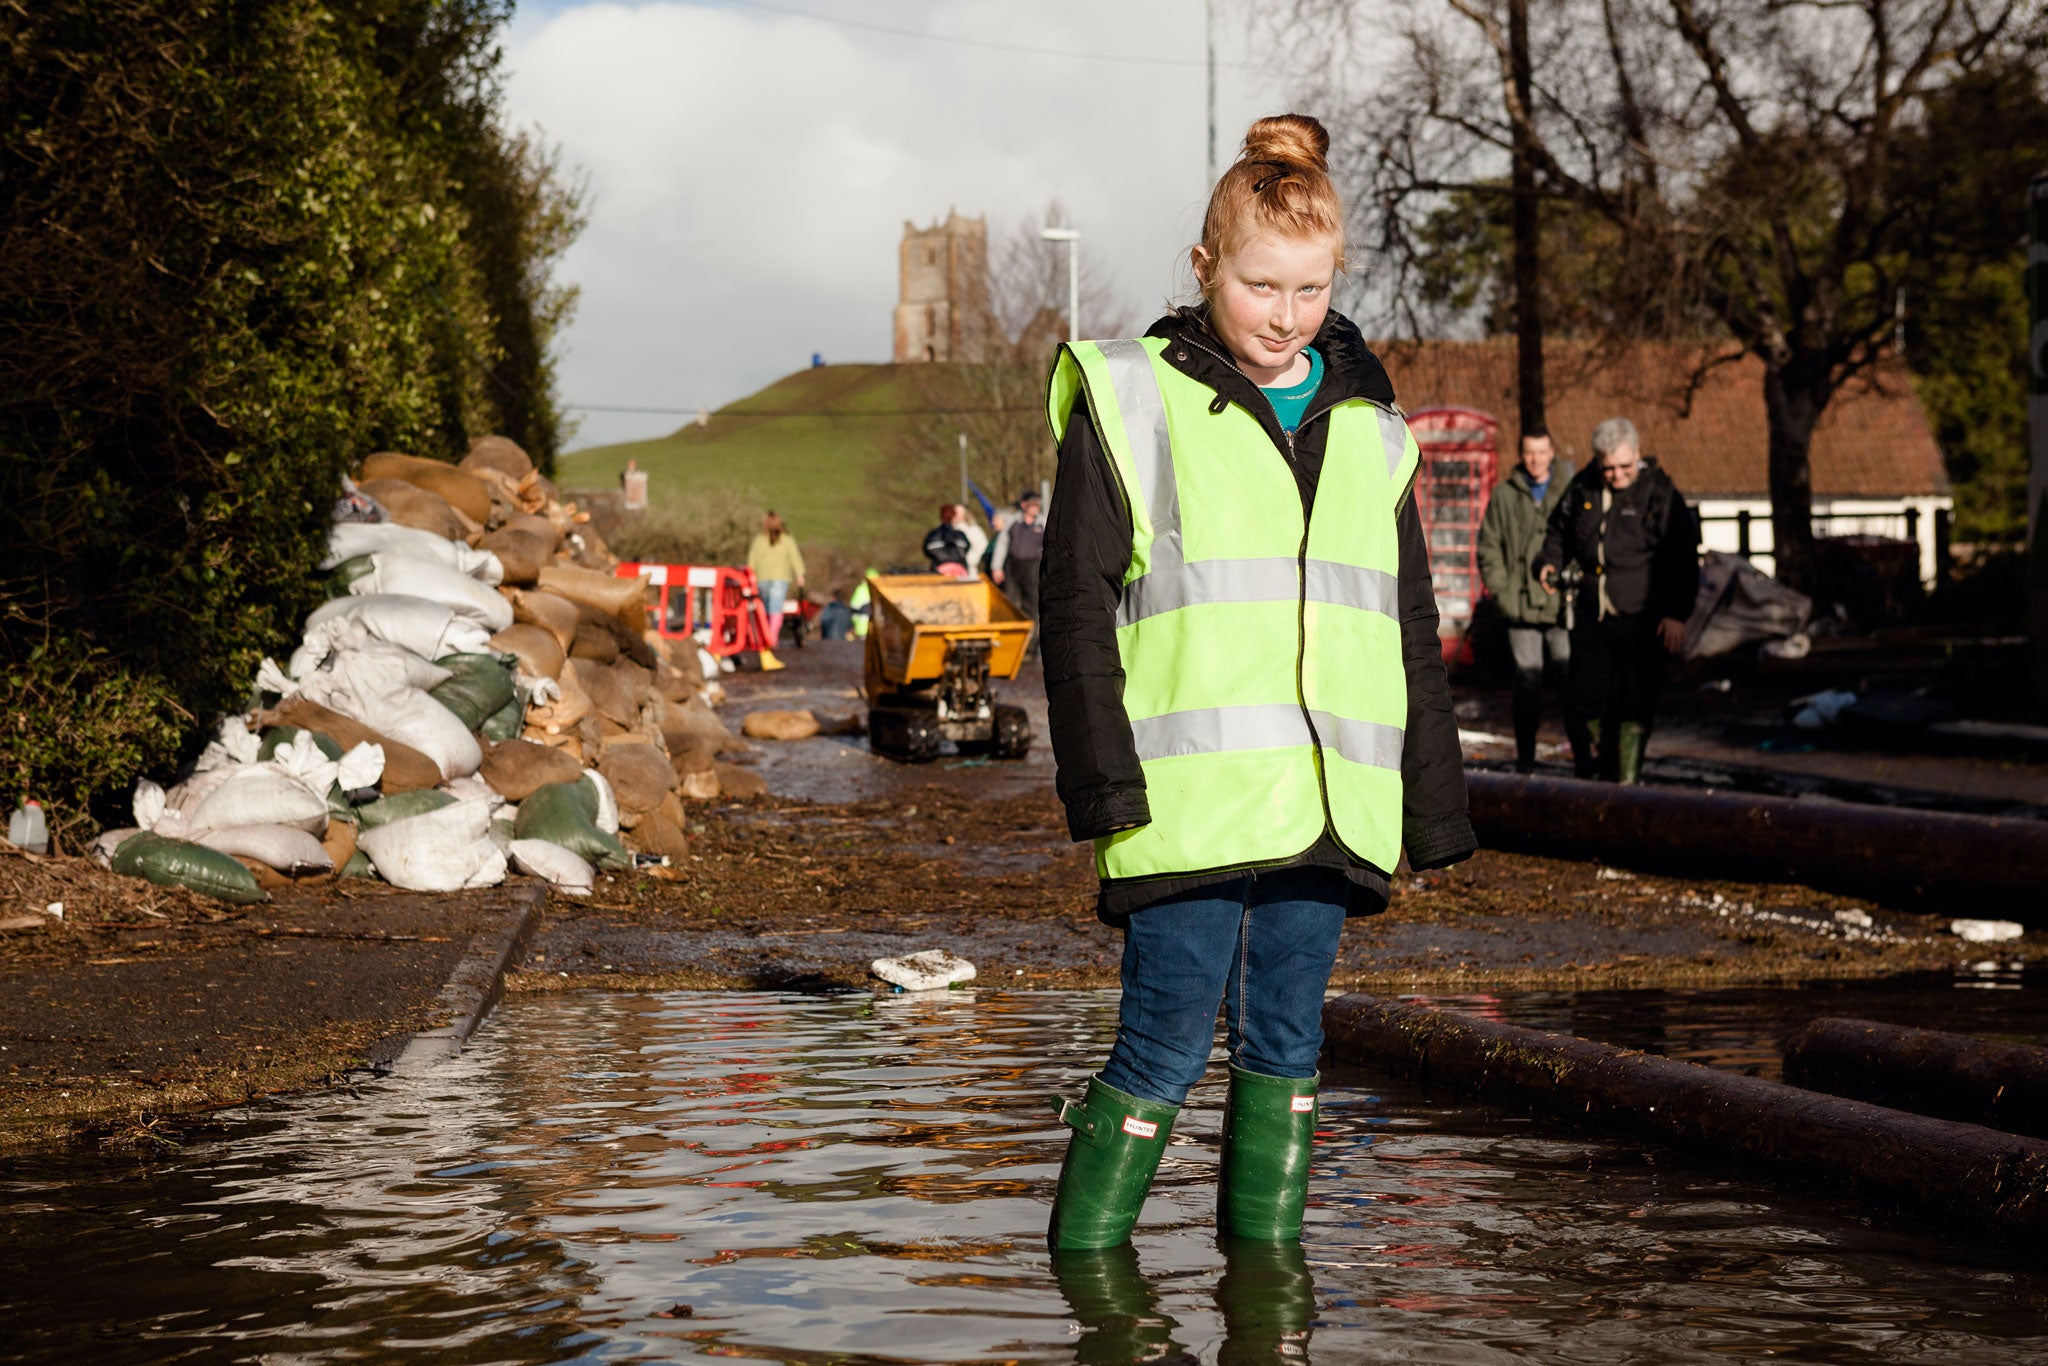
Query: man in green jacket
1510	538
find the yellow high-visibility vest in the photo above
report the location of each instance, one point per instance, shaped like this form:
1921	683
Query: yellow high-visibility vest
1262	651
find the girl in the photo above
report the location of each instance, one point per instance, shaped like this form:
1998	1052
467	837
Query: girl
1248	701
777	565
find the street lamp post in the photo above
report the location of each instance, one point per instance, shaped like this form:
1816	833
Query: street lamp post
1072	238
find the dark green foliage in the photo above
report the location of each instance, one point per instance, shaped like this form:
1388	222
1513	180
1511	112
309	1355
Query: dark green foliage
241	246
1966	303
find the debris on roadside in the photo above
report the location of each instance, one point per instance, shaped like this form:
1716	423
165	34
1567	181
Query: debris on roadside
1986	931
930	970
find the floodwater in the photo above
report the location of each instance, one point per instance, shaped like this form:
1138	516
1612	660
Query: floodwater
854	1178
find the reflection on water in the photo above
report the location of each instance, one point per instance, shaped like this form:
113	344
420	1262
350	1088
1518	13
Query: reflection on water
866	1179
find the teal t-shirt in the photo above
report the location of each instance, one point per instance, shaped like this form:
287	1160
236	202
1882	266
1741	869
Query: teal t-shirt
1290	402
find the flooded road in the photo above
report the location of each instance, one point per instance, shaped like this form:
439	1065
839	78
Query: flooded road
858	1178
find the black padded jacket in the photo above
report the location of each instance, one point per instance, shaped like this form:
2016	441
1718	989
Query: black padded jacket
1088	551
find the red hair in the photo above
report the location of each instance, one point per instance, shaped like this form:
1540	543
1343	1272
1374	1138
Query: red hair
1279	186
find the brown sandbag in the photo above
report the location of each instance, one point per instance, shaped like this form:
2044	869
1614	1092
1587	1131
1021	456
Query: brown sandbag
779	725
672	683
521	553
540	654
695	717
267	877
405	768
689	752
616	691
516	768
735	781
413	506
611	595
671	809
545	531
640	775
557	614
464	492
567	712
593	642
340	844
701	787
500	453
657	834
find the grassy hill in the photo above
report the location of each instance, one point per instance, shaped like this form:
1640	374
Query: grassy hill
852	456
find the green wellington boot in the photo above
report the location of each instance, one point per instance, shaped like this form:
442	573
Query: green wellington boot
1267	1132
1118	1141
1117	1308
1268	1299
1634	737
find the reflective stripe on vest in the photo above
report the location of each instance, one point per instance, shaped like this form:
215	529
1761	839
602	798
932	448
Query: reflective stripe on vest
1263	671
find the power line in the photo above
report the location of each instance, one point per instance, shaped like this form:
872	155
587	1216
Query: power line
984	43
796	412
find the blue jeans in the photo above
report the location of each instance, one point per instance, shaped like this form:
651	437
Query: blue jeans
774	595
1261	947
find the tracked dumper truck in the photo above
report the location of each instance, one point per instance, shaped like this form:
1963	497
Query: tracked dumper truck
934	644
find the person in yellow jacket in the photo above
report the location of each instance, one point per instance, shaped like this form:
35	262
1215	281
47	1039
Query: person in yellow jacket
778	566
1247	699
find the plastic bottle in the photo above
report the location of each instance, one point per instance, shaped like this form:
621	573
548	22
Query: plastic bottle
26	828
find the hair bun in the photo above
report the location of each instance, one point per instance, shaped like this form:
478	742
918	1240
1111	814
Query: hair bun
1296	139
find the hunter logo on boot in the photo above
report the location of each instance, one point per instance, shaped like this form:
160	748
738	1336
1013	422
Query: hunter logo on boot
1140	1128
1304	1104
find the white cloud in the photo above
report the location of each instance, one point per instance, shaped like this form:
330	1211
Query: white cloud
750	173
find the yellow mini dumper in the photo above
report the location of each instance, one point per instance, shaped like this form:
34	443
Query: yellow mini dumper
934	645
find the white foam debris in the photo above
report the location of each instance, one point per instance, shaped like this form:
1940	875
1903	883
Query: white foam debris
1986	931
931	970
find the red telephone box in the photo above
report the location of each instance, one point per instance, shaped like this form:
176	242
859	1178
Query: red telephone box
1460	462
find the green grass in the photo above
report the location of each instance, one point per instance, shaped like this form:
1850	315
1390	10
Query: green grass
850	455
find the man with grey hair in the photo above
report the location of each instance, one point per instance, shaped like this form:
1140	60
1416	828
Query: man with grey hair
1626	526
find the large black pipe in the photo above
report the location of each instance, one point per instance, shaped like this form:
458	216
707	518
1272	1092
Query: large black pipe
1956	1171
1928	860
1979	1081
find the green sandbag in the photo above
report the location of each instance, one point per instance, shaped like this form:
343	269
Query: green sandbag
358	865
481	687
181	863
565	814
400	805
506	722
347	572
276	738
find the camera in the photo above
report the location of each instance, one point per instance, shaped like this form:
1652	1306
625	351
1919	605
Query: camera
1570	577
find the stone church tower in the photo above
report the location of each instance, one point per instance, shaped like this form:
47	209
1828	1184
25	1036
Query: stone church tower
943	312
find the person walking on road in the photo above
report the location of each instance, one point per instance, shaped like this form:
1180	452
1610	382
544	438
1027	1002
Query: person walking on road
1247	697
1026	553
1629	530
1510	538
778	566
946	545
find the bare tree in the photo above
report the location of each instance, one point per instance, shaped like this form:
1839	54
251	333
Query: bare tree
1741	150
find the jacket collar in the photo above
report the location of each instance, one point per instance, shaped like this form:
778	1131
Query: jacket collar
1350	369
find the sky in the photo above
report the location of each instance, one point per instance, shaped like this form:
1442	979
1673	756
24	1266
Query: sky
750	170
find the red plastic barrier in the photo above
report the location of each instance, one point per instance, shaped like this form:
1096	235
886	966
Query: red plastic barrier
717	598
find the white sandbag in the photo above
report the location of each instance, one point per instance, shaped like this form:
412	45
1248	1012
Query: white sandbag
607	801
290	851
453	589
442	851
566	871
306	763
931	970
370	684
259	794
149	804
472	788
350	539
428	629
233	743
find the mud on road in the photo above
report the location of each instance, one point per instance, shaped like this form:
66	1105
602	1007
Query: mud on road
853	857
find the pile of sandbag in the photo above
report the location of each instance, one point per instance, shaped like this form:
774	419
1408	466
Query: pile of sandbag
480	692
